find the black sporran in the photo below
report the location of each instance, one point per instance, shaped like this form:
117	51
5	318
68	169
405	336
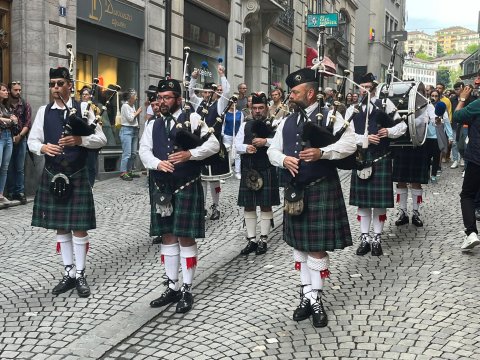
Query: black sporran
61	187
254	180
162	201
293	196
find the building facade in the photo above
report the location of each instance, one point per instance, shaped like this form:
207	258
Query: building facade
456	38
451	62
420	70
418	41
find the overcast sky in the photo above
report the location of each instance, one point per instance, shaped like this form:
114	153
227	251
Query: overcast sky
433	15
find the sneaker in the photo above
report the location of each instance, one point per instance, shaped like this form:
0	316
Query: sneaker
470	241
454	165
4	201
433	179
238	176
462	163
133	175
125	177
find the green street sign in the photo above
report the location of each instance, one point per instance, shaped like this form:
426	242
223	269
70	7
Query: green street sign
319	20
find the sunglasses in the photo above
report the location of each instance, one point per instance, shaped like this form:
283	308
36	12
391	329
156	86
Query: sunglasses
15	83
58	83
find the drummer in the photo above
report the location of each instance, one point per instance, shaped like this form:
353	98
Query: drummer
371	189
220	100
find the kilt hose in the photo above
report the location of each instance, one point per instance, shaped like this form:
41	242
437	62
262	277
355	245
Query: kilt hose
323	225
375	192
76	213
188	217
411	164
268	195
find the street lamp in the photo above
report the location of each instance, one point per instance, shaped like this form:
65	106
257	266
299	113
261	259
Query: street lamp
411	54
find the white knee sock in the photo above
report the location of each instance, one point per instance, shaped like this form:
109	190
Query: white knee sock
402	194
251	224
80	247
364	215
265	222
300	258
379	217
318	271
215	191
188	258
170	256
65	247
417	198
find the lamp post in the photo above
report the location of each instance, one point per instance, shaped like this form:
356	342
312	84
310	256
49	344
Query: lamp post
411	54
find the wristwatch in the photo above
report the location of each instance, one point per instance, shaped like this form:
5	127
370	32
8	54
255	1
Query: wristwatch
462	99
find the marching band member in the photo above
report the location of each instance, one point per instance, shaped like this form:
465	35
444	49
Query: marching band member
73	213
176	194
373	191
323	224
253	149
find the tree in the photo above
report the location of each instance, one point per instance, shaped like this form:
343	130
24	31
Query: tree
423	56
472	48
454	76
440	51
443	75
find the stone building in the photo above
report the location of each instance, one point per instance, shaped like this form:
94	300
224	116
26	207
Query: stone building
419	41
456	38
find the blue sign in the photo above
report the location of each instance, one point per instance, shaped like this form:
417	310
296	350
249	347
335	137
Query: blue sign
322	20
240	50
62	11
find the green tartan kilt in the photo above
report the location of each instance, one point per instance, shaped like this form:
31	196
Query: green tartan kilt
411	165
188	217
375	192
77	213
268	195
323	224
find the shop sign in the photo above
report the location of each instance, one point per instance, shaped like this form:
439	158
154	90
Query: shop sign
113	14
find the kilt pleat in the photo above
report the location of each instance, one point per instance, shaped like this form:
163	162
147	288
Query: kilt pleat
411	165
188	217
323	225
375	192
77	213
268	195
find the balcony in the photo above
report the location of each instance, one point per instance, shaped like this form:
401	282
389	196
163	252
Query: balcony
286	19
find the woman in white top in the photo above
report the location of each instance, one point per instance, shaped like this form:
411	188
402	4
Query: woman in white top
129	135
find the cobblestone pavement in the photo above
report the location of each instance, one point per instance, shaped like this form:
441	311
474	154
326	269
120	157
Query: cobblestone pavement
418	301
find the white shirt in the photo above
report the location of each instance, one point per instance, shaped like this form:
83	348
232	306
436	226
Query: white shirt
36	137
344	147
222	100
128	115
208	148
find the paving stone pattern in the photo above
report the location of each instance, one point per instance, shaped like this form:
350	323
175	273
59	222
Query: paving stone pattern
418	301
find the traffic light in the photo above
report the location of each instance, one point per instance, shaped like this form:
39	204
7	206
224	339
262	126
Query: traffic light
371	36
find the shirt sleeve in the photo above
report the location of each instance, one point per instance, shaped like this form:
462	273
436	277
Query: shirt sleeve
127	113
145	150
223	100
239	138
468	113
36	138
447	126
194	99
345	146
209	147
275	150
397	130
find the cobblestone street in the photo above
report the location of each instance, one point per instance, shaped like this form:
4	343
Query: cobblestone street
418	301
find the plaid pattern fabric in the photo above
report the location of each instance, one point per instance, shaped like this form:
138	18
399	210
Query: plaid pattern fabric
375	192
268	195
188	218
411	165
323	225
78	213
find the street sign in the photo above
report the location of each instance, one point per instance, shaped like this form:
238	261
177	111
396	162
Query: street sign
319	20
398	35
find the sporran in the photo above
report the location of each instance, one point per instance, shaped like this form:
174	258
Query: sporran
293	196
61	187
254	180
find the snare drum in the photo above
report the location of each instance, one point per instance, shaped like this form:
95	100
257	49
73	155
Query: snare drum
220	169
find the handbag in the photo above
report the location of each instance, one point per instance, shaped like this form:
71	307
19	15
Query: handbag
254	180
293	196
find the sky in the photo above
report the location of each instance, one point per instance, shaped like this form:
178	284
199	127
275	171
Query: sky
432	15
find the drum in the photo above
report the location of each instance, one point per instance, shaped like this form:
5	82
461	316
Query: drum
408	99
220	166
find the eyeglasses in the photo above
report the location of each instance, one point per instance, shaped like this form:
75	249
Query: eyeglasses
165	98
15	83
58	83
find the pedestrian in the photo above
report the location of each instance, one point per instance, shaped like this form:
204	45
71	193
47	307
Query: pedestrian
129	135
457	87
92	154
16	170
371	188
252	144
64	199
231	125
323	224
247	112
175	176
354	98
277	96
242	96
8	121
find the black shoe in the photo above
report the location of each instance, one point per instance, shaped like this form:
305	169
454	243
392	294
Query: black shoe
319	316
157	240
303	310
376	246
215	212
364	247
169	296
67	283
403	219
186	300
416	219
205	212
251	247
477	214
83	289
20	197
261	246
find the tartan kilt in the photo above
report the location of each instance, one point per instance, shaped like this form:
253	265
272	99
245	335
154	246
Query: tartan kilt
323	225
375	192
78	213
411	165
268	195
188	217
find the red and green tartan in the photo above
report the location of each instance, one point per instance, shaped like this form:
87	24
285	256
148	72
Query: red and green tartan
323	224
411	165
268	195
78	213
375	192
188	217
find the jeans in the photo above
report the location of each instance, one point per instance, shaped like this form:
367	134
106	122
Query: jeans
455	154
129	138
16	169
470	188
6	146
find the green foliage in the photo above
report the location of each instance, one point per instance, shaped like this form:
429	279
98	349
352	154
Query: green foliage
440	51
443	76
454	76
423	56
472	48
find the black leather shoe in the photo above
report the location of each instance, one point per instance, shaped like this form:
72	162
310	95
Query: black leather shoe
157	240
215	213
402	220
364	247
319	316
377	246
303	310
83	289
186	300
251	247
20	197
67	283
169	296
416	219
262	246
